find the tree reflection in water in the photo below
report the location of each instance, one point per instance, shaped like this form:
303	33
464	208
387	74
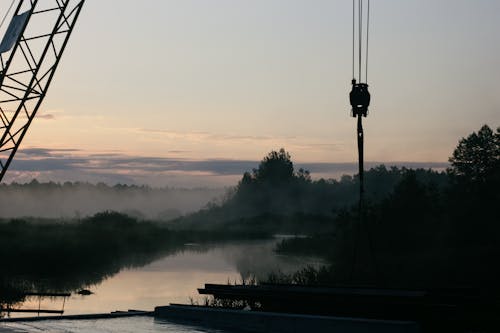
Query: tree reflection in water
57	258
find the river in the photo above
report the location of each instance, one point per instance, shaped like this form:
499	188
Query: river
173	278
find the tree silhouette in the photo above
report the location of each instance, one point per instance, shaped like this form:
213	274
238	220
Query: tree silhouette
477	157
473	197
276	168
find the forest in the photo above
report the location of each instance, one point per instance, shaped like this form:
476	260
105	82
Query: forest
417	228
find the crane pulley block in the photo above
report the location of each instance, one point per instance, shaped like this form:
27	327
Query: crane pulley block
359	98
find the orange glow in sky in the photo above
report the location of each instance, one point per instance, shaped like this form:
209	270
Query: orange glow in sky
225	79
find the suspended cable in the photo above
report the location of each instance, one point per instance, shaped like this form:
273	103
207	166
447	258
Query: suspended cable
360	101
367	39
7	13
360	39
360	33
353	35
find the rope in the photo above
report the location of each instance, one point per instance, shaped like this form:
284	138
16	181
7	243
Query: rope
7	13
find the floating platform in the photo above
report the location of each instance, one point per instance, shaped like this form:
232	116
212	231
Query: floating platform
115	314
272	322
446	309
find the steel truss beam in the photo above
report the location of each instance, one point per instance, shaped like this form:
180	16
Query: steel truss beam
27	69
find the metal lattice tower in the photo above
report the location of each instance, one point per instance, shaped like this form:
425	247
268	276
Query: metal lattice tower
29	54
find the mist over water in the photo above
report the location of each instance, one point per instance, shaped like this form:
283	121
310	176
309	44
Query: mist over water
50	200
258	259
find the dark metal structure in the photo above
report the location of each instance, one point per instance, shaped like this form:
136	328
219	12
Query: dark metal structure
435	310
8	310
29	55
359	98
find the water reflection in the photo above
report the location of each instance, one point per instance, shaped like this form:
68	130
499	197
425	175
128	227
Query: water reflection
144	282
26	287
122	325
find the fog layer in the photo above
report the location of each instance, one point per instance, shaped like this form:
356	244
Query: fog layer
69	200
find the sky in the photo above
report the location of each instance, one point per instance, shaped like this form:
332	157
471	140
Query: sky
195	92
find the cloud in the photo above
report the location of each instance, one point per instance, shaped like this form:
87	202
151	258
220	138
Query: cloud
40	159
39	115
71	164
49	114
42	152
46	116
200	135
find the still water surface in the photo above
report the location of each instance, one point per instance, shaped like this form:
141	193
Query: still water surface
171	279
122	325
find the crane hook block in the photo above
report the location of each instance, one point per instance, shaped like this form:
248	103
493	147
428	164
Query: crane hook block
359	98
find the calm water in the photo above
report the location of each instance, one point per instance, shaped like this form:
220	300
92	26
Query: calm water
122	325
171	279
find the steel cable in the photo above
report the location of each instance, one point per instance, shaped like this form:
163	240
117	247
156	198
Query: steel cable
367	39
360	33
353	36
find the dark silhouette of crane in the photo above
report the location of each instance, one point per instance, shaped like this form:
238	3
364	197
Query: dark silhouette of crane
359	98
30	52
